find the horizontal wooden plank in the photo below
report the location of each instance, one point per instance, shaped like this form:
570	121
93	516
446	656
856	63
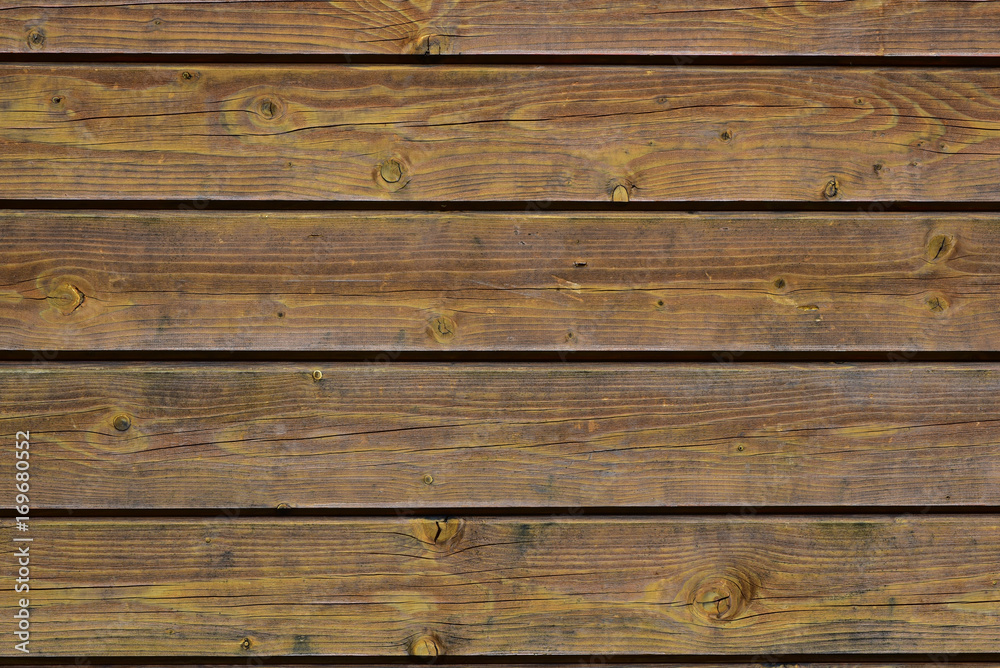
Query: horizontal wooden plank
516	586
356	436
685	27
526	134
393	282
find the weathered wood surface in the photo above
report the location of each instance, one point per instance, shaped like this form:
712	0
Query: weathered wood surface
381	281
695	27
525	134
515	586
363	436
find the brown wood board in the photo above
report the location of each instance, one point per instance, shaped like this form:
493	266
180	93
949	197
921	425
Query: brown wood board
516	586
687	28
388	282
529	135
139	437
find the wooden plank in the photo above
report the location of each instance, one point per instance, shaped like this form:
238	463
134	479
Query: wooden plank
152	436
382	281
514	586
669	27
527	134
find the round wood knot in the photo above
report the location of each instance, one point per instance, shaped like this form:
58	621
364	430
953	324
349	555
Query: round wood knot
442	329
391	175
937	304
940	247
391	171
832	189
725	597
430	45
426	645
36	39
67	298
620	194
267	108
122	422
439	535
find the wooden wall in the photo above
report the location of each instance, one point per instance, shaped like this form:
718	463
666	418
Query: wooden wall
513	333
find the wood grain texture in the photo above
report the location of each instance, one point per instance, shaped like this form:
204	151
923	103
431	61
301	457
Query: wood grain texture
393	282
515	586
440	27
525	134
567	437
